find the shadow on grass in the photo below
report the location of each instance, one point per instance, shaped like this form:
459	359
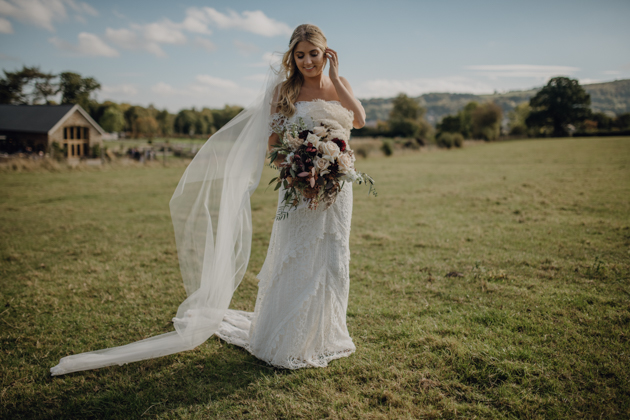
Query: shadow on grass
199	378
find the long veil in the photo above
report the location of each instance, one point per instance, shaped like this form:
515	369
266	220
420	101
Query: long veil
211	215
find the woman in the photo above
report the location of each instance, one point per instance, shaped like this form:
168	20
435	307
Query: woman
299	318
300	315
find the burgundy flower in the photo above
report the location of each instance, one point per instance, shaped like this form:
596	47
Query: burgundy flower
340	143
304	134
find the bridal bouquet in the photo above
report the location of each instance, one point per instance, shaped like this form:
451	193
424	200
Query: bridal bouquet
317	164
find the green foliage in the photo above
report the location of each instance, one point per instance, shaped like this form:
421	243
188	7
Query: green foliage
57	152
486	121
147	126
517	118
78	90
166	122
27	86
448	140
387	147
222	116
562	102
406	119
622	122
95	151
458	140
186	121
113	119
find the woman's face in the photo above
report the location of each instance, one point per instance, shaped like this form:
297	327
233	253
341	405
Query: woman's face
309	59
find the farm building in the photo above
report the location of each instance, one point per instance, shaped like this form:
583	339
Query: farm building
34	128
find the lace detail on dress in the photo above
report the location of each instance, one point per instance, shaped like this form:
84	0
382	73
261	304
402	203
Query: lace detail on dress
300	315
276	123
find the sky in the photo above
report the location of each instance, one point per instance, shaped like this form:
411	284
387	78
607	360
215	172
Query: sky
179	54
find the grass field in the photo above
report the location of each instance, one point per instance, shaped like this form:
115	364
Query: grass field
537	324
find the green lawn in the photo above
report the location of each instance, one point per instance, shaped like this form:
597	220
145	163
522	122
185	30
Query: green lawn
536	326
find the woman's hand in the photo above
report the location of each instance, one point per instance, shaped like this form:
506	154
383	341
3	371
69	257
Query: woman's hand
333	71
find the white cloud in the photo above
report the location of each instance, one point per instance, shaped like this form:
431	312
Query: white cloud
205	44
251	21
196	21
163	32
207	90
131	40
148	37
43	13
259	77
5	26
612	72
89	44
165	89
589	81
522	70
121	90
206	79
244	47
269	59
414	87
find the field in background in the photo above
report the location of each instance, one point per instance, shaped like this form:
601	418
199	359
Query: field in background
533	321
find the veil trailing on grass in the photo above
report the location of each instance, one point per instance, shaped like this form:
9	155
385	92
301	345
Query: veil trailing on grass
211	215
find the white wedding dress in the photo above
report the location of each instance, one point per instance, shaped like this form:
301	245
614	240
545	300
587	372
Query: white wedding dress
300	315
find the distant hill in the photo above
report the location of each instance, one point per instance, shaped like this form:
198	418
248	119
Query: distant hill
610	97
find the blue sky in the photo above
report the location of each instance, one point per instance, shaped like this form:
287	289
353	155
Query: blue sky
209	53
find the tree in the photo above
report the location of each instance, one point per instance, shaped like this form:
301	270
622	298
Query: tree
222	116
147	126
486	121
622	121
77	90
185	122
517	118
406	119
459	123
560	103
113	119
27	86
165	121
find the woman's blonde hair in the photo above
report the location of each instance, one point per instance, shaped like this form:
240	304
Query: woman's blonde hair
290	88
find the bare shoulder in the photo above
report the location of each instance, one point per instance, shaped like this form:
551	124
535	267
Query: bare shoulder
345	83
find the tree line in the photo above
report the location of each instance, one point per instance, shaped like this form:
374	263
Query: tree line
31	86
406	119
559	109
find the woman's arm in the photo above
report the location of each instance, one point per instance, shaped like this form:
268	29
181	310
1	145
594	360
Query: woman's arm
344	91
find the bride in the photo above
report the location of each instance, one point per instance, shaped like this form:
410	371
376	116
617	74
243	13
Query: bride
300	315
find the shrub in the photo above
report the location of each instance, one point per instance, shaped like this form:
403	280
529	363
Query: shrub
458	140
96	151
387	147
445	140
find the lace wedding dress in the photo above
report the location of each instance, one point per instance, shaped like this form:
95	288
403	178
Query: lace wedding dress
300	315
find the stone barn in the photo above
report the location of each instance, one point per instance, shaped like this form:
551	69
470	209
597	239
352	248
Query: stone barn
34	129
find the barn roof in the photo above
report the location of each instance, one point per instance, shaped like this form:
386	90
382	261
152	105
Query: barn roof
38	118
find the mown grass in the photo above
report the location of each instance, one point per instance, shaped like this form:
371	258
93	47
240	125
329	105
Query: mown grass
534	323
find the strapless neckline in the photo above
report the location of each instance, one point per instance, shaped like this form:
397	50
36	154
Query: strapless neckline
316	100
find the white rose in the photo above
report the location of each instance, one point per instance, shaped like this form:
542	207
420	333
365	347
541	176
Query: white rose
319	131
345	163
313	139
322	165
330	150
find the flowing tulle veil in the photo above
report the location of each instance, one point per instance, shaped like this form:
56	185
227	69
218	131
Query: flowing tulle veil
211	215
